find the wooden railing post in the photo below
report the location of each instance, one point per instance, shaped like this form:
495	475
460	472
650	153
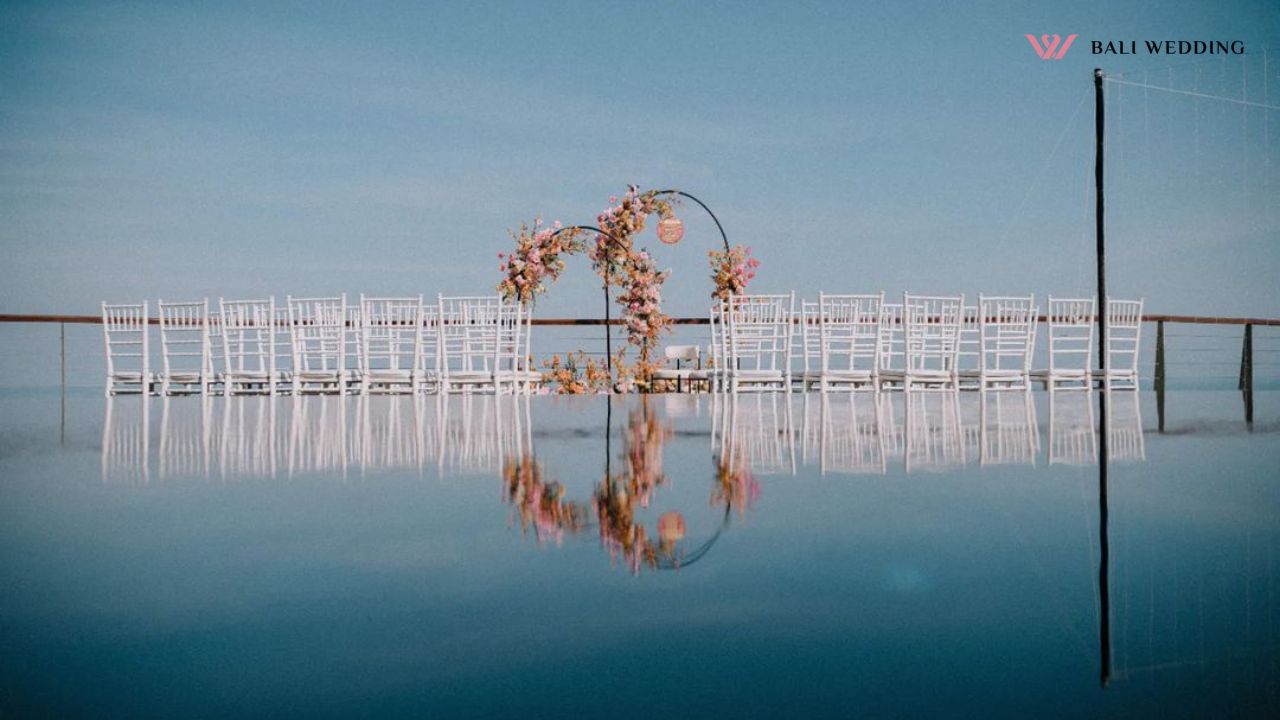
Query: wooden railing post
1246	373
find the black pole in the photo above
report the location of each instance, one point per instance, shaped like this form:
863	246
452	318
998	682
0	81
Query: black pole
1104	550
723	238
608	340
1160	372
1098	124
1104	560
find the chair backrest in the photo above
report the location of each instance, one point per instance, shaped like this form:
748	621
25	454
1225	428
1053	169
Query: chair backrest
807	353
759	331
429	341
849	331
124	330
469	333
892	337
716	349
318	328
1071	324
282	343
184	337
1124	331
510	332
681	353
1007	330
390	333
969	356
248	335
932	331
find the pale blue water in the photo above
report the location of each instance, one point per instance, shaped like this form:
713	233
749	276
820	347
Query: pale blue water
337	557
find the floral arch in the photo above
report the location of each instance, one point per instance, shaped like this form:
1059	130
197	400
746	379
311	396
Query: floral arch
539	258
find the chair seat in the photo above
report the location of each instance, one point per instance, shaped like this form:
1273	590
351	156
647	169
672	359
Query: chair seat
183	377
127	376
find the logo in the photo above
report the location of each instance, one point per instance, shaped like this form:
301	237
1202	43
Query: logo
1045	47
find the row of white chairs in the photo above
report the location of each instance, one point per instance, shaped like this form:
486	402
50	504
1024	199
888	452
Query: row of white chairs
322	346
761	342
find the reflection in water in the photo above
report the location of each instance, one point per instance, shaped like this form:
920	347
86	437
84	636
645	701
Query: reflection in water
545	510
841	433
934	436
1073	438
126	440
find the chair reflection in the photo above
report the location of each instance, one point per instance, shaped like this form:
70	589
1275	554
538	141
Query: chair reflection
126	440
755	429
186	439
1008	429
851	437
1073	435
261	436
840	433
934	434
1125	440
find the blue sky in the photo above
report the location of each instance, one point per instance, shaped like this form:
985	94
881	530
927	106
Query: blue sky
185	150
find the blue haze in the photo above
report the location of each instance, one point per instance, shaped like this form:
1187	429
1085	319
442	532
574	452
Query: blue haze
181	150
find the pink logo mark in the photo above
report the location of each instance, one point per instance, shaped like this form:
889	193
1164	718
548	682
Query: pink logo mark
1044	46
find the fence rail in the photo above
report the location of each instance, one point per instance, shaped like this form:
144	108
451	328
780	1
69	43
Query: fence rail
562	322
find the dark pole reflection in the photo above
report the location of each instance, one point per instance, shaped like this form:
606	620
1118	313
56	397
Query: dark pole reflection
1104	561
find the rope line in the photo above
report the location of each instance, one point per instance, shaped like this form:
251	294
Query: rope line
1191	93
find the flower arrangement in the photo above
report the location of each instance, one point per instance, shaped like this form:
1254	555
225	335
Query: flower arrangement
578	374
732	271
538	257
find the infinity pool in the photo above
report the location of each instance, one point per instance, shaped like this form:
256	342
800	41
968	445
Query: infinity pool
669	556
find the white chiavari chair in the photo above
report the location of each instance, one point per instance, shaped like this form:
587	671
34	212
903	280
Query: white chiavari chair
717	370
185	352
682	375
282	342
508	368
217	355
932	340
468	342
429	358
320	340
969	356
1071	323
759	340
1007	331
125	331
891	365
850	339
248	346
390	344
806	353
530	377
1124	333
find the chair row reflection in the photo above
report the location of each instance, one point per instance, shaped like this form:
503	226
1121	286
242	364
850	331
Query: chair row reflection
855	433
268	437
844	433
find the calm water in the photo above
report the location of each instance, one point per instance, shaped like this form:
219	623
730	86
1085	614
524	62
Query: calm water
891	557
